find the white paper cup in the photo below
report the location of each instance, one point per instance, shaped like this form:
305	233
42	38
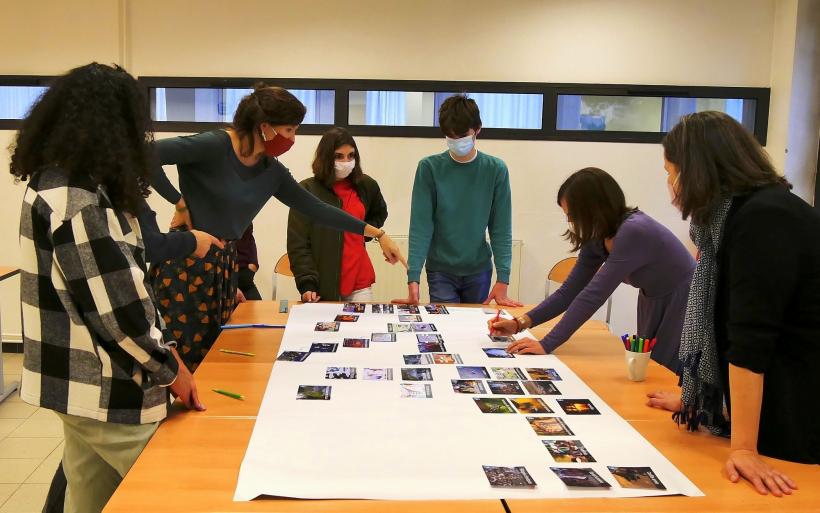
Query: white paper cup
636	364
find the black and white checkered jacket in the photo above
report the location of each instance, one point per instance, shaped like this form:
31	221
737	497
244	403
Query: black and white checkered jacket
92	336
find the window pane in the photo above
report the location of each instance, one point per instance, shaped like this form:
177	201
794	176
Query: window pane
202	104
643	114
415	108
16	101
743	110
609	113
391	108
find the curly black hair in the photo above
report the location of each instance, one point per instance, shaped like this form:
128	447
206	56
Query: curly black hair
92	121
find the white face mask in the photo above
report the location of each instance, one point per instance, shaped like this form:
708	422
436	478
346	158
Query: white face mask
461	147
343	169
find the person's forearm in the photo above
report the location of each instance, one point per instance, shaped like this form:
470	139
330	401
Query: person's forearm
373	232
746	399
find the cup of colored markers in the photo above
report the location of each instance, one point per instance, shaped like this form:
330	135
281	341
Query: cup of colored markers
636	354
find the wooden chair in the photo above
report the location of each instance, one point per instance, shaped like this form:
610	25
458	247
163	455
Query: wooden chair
559	273
282	267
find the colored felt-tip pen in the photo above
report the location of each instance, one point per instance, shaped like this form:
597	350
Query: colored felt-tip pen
229	394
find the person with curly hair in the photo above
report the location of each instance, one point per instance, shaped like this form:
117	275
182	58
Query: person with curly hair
225	178
95	349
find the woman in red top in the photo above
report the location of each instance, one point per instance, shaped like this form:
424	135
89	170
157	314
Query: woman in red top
328	264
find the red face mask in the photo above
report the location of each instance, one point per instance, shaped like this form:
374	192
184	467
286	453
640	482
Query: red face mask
276	146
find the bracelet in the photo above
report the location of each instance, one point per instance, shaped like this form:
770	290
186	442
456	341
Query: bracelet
380	235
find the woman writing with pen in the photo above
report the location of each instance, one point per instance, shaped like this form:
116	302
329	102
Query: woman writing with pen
618	244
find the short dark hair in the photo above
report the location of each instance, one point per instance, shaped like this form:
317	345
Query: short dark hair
266	104
596	206
715	157
324	168
458	114
91	122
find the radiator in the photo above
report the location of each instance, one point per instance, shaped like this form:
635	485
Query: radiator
391	280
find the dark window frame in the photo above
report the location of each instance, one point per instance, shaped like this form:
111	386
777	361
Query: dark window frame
21	81
550	92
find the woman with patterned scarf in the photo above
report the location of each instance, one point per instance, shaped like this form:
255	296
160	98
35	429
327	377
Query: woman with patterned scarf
750	346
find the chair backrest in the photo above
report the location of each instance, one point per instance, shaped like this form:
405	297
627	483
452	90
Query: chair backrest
559	274
560	271
283	266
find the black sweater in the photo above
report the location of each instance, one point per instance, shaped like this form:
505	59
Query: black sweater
767	315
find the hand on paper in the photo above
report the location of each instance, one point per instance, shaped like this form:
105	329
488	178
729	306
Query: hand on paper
412	295
526	346
204	241
664	400
391	251
748	465
184	386
499	295
310	297
502	326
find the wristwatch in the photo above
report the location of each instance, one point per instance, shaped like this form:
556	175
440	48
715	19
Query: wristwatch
521	323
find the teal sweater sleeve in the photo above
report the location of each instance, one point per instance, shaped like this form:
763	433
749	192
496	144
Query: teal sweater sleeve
422	210
181	150
500	226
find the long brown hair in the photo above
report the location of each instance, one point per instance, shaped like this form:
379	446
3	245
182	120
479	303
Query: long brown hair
716	157
596	206
324	167
266	104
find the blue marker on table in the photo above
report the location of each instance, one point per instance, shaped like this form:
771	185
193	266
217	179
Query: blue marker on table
256	325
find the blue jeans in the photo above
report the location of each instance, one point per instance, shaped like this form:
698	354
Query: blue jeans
449	288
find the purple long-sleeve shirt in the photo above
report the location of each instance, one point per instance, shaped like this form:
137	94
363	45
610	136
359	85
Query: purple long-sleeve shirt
645	254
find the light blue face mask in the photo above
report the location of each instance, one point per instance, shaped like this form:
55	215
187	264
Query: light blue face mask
461	147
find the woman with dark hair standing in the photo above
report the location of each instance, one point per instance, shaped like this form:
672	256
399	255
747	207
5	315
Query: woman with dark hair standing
618	244
226	177
325	265
95	349
751	337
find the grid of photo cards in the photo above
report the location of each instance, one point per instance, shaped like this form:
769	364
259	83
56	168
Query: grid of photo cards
359	390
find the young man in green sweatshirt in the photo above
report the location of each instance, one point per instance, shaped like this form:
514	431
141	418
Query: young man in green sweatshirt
458	196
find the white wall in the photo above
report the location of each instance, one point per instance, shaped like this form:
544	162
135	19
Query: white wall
702	42
804	110
782	66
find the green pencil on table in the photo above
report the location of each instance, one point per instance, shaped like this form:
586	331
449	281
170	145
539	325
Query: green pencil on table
229	394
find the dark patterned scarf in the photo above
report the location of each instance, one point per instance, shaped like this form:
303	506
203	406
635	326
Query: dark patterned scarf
700	379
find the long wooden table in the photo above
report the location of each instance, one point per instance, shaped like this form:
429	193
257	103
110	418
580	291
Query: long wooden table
193	461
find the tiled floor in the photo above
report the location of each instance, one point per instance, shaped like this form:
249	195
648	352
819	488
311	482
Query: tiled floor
31	446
